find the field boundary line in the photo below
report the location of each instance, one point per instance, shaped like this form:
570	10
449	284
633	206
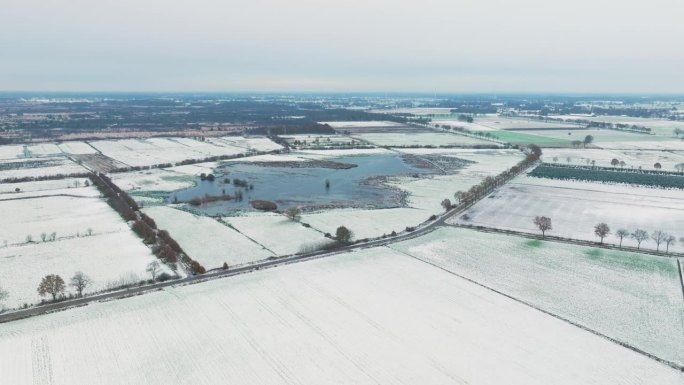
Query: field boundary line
572	241
681	280
669	363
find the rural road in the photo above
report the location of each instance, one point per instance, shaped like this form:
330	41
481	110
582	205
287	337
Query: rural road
215	274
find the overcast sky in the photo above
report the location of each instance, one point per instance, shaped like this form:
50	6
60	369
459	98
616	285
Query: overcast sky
343	45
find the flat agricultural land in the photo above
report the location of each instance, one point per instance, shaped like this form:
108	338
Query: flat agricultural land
436	139
601	136
154	180
633	298
576	207
152	151
277	233
524	138
367	223
38	167
633	158
657	126
111	254
207	240
362	318
428	192
515	123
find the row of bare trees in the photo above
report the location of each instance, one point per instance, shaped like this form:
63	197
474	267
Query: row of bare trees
161	242
490	183
54	285
602	230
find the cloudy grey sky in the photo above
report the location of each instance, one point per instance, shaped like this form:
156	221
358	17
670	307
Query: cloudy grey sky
343	45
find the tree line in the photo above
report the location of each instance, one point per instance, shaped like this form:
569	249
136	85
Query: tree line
602	230
160	241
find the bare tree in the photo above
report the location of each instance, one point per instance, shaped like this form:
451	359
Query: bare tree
622	233
669	240
458	196
51	284
657	166
679	167
446	204
153	268
601	230
294	213
614	162
79	282
543	224
43	237
3	295
53	236
622	164
658	237
639	236
343	234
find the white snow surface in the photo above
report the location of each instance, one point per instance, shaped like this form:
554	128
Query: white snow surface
206	240
373	317
633	298
276	232
111	253
576	207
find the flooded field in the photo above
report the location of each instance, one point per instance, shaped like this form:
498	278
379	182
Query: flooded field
348	181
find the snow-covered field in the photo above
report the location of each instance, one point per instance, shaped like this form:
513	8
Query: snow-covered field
602	137
77	148
372	317
427	193
277	233
37	167
112	251
361	124
43	186
65	215
576	207
206	240
151	151
367	223
511	123
420	139
152	180
657	126
633	158
630	297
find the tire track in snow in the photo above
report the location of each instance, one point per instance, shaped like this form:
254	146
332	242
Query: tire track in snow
40	361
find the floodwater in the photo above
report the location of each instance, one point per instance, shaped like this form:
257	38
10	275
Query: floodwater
304	187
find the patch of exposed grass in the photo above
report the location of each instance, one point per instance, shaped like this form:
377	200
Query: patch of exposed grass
534	243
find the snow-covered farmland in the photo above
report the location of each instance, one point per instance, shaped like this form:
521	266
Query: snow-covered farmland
8	190
361	124
110	254
576	207
205	239
77	148
511	123
367	223
65	215
632	158
39	167
277	233
634	298
151	151
427	193
373	317
152	180
436	139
